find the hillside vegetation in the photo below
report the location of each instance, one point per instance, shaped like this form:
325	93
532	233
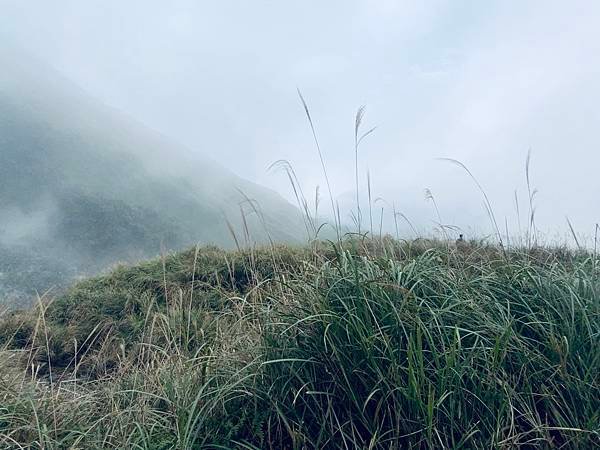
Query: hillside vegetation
375	344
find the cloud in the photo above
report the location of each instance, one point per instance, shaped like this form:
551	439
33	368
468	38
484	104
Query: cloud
479	82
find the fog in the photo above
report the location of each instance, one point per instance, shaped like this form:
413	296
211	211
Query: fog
482	83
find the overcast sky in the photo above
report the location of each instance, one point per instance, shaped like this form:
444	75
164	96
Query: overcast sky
481	82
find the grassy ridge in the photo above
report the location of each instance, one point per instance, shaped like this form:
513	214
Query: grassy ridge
364	344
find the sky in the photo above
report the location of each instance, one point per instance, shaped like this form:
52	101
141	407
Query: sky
480	82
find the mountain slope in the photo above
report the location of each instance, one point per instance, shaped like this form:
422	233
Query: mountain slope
83	186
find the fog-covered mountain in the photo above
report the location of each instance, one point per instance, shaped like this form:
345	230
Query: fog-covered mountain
83	186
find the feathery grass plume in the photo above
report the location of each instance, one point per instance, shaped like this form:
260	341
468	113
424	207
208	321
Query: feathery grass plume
429	196
323	167
358	138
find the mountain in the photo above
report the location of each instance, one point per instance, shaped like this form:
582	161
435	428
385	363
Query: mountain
83	186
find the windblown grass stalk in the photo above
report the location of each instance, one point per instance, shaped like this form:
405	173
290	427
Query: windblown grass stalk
429	196
323	167
367	343
310	221
410	224
531	228
575	238
488	204
358	138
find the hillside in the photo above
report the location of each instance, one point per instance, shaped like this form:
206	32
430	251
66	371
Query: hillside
360	344
82	186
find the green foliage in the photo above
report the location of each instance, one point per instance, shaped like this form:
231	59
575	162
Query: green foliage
361	344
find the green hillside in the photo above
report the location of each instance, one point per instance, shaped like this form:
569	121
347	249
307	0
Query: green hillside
83	186
360	344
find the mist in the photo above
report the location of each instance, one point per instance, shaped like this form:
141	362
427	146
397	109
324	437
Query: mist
299	224
479	83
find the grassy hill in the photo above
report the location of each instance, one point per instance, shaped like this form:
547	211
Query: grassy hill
83	186
360	344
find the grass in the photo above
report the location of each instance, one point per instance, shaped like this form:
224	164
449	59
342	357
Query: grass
361	343
366	342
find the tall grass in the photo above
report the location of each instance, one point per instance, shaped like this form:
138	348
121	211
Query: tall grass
334	210
363	342
367	343
359	136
